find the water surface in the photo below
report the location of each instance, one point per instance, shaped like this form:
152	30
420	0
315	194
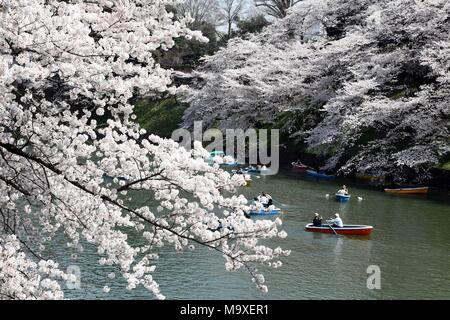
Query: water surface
410	243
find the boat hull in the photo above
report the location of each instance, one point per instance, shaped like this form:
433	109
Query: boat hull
231	164
342	197
265	213
423	190
319	175
258	171
356	230
299	167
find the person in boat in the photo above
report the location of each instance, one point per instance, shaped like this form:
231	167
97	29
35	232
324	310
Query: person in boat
264	200
257	205
317	222
343	190
336	222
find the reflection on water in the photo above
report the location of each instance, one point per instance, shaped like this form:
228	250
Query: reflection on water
410	243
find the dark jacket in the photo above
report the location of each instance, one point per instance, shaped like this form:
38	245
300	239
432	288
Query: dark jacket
317	221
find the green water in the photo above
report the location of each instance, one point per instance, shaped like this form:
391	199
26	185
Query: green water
410	244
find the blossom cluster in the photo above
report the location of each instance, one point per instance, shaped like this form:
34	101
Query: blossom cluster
75	164
356	82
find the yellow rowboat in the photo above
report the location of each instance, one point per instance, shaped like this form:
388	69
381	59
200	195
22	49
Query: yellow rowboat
421	190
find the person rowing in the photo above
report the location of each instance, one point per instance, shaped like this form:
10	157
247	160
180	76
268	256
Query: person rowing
336	221
343	191
257	205
265	199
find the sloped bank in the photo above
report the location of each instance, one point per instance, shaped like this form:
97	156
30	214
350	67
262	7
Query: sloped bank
357	85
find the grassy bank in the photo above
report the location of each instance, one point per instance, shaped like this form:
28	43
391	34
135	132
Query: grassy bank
160	117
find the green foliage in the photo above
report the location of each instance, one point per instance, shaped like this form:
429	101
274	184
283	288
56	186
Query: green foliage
444	166
159	117
185	54
251	25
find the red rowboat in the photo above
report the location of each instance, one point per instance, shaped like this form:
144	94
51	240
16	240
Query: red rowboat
298	166
348	229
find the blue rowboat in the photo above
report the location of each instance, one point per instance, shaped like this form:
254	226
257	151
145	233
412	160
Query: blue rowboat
265	212
239	172
231	164
257	171
216	153
317	175
342	197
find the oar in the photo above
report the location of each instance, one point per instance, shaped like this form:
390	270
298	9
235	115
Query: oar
331	227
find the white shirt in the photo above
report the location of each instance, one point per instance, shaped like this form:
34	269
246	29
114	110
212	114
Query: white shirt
258	206
263	200
336	221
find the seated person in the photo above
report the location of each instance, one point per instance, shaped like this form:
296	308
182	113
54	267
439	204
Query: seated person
336	222
343	191
317	222
257	206
264	200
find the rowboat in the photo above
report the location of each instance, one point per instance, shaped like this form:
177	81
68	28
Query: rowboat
216	153
257	171
264	212
298	166
226	160
342	197
212	155
347	229
421	190
231	164
118	177
318	175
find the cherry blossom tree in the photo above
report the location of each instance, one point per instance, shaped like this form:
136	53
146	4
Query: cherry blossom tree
202	11
68	71
365	84
276	8
228	12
